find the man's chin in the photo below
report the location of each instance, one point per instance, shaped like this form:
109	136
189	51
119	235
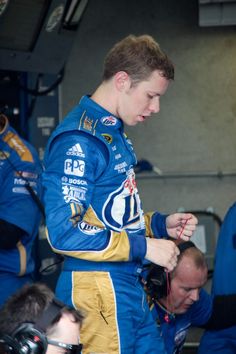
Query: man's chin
181	310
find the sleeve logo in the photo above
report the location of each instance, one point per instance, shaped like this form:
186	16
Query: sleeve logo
74	167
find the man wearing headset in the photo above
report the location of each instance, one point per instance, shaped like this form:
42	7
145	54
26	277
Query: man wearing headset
177	300
34	322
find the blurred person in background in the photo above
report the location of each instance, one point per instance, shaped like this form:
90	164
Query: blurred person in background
224	283
33	321
20	216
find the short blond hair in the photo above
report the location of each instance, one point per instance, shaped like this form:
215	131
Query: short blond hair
138	56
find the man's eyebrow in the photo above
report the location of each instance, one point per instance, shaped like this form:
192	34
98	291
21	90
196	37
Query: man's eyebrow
154	93
188	287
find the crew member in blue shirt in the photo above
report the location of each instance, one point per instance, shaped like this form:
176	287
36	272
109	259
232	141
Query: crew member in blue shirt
178	301
223	341
20	170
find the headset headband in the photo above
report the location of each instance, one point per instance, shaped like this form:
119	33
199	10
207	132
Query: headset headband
49	315
157	282
185	245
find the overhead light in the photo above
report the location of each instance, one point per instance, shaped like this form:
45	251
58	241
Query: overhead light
74	13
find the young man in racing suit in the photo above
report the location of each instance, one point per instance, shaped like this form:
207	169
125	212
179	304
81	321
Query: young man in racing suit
93	210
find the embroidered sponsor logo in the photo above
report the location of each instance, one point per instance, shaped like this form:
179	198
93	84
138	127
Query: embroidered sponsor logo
109	121
180	337
88	229
108	138
22	182
74	167
128	141
75	151
21	190
68	180
19	181
117	156
17	144
79	182
26	174
120	167
87	124
65	179
73	194
122	209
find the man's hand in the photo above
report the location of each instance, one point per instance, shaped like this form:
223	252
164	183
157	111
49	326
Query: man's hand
181	225
162	252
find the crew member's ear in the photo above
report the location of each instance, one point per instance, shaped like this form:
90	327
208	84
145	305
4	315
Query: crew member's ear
122	81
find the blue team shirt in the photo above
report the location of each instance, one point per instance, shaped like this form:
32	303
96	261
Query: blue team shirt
224	283
174	331
19	161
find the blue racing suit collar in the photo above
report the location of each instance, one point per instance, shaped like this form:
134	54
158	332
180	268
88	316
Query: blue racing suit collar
112	120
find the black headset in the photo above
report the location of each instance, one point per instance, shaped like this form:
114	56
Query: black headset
156	284
30	338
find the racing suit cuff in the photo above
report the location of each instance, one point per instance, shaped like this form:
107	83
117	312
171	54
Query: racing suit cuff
159	225
138	247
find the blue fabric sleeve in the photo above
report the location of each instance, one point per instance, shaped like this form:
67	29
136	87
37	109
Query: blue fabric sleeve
158	225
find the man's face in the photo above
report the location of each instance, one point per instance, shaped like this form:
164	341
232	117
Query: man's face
137	103
185	286
66	331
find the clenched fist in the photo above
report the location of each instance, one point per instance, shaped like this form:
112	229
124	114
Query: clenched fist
181	225
162	252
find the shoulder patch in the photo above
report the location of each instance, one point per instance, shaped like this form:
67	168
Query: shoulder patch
108	138
18	146
109	121
87	123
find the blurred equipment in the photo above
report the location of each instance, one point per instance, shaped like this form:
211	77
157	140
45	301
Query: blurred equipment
36	36
206	235
144	165
217	12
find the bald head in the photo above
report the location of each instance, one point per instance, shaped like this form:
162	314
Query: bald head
190	258
187	279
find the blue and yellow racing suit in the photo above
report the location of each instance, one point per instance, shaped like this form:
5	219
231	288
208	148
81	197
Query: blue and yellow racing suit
95	219
19	163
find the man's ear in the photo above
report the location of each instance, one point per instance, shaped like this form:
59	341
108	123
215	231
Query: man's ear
122	81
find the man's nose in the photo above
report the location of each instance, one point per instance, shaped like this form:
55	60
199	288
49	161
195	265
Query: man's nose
155	105
194	295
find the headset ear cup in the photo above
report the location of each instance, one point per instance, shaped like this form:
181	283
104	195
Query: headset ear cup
8	345
30	339
157	282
